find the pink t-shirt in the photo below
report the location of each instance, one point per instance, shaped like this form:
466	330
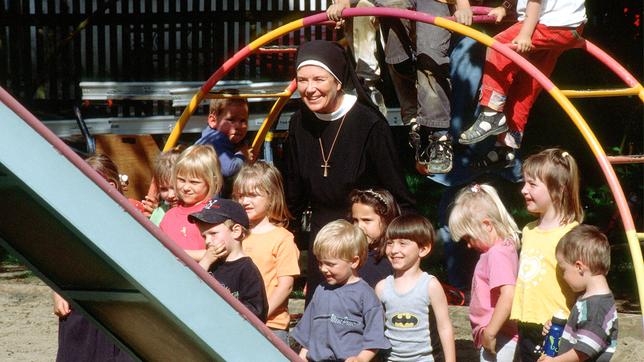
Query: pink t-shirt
496	267
175	223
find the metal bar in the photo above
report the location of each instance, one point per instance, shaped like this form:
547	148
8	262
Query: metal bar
596	93
628	159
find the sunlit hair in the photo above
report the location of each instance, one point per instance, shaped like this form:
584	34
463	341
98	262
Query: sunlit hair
106	168
475	203
558	170
411	227
383	204
162	168
587	244
265	180
341	239
230	224
217	105
199	161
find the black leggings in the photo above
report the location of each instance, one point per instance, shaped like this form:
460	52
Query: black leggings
530	341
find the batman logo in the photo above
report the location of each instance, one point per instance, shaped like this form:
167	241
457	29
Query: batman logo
404	320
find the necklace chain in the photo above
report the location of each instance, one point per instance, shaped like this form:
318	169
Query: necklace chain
325	160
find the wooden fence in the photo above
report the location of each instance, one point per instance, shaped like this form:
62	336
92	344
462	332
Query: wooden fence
47	47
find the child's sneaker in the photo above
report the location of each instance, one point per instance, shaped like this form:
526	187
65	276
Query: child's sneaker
439	153
483	127
415	140
500	157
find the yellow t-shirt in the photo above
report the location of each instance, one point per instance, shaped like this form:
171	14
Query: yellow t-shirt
275	254
540	290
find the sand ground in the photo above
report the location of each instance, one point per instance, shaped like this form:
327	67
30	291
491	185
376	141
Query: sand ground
28	329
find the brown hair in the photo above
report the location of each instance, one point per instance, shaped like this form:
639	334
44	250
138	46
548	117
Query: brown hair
383	204
588	245
341	239
162	168
217	105
266	180
411	227
107	168
558	170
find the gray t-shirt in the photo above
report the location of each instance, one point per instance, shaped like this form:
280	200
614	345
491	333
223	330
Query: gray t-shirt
341	321
407	321
592	328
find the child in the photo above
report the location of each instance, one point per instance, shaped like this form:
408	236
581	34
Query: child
227	128
259	189
553	27
162	174
479	217
372	211
196	178
583	257
224	224
344	320
418	58
78	338
551	191
409	292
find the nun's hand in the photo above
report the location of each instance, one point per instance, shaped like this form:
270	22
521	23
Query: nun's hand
334	12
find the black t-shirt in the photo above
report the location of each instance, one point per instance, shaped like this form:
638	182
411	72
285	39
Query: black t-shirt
244	281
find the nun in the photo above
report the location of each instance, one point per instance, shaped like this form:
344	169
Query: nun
337	141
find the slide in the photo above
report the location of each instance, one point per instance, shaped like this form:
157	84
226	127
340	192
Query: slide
84	239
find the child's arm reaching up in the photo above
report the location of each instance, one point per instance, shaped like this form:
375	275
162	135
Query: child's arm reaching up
443	323
499	317
523	41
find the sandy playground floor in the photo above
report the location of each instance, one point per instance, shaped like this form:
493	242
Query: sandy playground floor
28	329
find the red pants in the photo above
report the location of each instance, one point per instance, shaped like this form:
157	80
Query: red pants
506	88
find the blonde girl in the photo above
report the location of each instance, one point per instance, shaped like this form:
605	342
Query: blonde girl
551	193
372	210
479	217
259	189
196	178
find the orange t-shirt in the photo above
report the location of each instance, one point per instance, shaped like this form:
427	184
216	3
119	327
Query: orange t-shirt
276	255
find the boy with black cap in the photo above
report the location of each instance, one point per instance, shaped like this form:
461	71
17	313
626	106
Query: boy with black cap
224	224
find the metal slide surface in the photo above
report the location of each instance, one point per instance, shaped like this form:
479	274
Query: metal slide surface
85	241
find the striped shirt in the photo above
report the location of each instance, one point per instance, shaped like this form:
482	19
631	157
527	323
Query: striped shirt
592	328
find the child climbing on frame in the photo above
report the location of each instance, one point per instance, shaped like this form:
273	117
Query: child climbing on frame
544	31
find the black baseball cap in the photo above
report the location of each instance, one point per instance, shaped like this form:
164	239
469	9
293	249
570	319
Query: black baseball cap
217	211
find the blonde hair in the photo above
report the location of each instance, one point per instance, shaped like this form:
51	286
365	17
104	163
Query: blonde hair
199	161
475	203
411	227
341	239
163	164
217	105
107	168
588	245
265	180
383	204
558	170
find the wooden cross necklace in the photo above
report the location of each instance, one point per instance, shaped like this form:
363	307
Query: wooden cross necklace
325	160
